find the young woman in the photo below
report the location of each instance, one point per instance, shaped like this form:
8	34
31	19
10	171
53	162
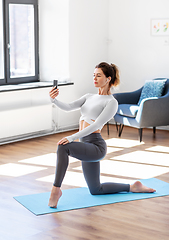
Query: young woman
96	111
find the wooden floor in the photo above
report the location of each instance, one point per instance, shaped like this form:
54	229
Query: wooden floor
135	220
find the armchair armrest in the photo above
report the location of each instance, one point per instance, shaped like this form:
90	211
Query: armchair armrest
154	112
128	97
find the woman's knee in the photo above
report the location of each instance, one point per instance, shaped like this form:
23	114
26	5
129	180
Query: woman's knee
94	190
61	149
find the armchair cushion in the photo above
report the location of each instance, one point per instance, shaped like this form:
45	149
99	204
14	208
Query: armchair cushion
128	110
152	88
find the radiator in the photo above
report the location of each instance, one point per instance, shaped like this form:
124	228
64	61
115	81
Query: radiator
15	123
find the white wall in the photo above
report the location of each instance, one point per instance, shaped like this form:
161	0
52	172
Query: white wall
53	39
139	55
88	32
73	39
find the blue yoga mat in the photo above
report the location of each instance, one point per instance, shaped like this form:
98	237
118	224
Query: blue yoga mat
77	198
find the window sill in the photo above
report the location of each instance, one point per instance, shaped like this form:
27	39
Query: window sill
32	85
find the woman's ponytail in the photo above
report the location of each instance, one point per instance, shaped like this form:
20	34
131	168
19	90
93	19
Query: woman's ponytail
116	81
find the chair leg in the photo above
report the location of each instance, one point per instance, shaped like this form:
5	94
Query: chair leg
154	130
140	133
117	126
107	128
120	129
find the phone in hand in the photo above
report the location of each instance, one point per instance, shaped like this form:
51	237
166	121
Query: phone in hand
55	84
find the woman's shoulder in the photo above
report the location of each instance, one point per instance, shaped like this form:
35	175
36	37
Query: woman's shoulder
87	95
113	99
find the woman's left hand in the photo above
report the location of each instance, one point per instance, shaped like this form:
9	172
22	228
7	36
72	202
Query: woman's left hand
63	141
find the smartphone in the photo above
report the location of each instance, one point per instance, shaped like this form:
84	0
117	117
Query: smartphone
55	83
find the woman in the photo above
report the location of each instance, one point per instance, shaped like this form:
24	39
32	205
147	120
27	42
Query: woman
96	110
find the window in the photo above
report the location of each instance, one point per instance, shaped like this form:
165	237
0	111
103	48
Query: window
1	44
19	32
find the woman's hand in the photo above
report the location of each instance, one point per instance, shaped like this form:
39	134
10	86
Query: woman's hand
54	93
63	141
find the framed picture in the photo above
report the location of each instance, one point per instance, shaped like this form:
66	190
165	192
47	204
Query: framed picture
160	27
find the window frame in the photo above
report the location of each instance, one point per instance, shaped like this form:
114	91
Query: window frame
7	79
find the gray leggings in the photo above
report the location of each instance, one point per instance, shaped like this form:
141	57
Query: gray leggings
90	150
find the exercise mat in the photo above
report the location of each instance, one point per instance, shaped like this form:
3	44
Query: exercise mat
77	198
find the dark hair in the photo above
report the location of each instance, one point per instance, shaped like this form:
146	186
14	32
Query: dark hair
110	70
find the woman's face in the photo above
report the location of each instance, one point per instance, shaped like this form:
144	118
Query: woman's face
99	78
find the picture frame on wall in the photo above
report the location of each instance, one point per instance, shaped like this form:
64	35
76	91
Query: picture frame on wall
160	27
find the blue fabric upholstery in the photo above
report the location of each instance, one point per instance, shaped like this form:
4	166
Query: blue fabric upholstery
152	88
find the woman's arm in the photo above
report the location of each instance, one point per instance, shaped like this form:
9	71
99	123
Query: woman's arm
66	106
108	112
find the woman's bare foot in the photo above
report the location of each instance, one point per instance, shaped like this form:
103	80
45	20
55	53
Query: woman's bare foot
138	187
56	193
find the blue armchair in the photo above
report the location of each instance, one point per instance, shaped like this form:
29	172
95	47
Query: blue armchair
152	112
